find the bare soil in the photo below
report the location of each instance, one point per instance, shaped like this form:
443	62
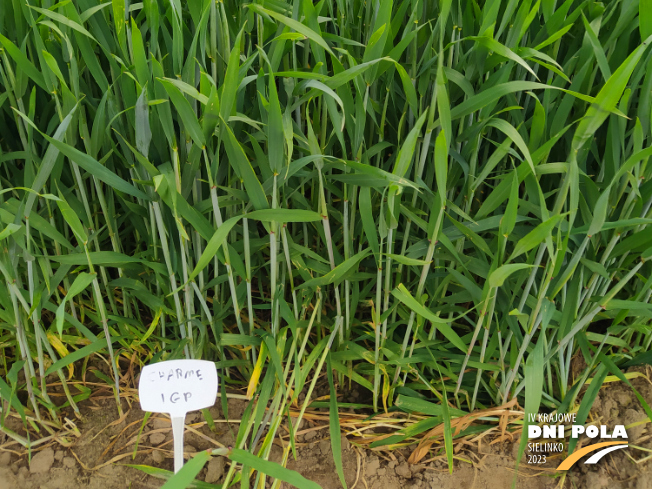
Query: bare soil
97	457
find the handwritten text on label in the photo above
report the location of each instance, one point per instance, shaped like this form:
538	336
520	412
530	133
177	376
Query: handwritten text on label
178	386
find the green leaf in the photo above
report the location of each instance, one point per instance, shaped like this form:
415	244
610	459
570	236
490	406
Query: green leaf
441	166
82	281
342	78
79	354
23	63
88	13
533	392
500	274
105	258
408	88
9	230
293	24
599	213
587	401
489	96
53	65
119	23
443	104
406	153
334	424
405	260
386	177
645	18
508	220
9	395
49	159
188	117
511	132
417	405
188	472
275	138
218	239
337	274
322	87
243	169
600	55
272	469
143	131
607	98
611	366
96	169
211	113
535	237
503	51
284	215
188	90
644	358
448	432
538	128
139	56
64	20
403	295
230	86
595	267
73	221
473	237
368	225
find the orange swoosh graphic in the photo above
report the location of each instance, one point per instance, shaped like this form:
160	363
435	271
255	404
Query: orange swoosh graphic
568	463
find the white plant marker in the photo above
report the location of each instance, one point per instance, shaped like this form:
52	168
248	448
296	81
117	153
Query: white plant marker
177	387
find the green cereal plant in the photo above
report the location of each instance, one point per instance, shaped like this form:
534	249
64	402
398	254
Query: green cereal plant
413	199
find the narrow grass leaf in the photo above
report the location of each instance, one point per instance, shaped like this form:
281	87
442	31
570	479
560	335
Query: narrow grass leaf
293	24
188	117
82	281
535	237
73	221
218	239
337	274
242	167
441	166
503	51
272	469
23	63
534	367
64	20
284	215
188	472
406	153
334	424
498	276
403	295
645	18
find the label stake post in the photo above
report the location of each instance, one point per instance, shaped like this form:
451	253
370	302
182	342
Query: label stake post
176	387
178	425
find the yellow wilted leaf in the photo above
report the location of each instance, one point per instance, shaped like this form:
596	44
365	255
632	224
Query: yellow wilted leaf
613	378
386	388
61	350
258	370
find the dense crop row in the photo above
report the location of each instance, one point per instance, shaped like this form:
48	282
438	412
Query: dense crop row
431	199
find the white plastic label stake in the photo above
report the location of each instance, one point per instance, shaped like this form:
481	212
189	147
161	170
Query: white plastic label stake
177	387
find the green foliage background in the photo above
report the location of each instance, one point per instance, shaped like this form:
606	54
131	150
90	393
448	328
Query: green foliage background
433	198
